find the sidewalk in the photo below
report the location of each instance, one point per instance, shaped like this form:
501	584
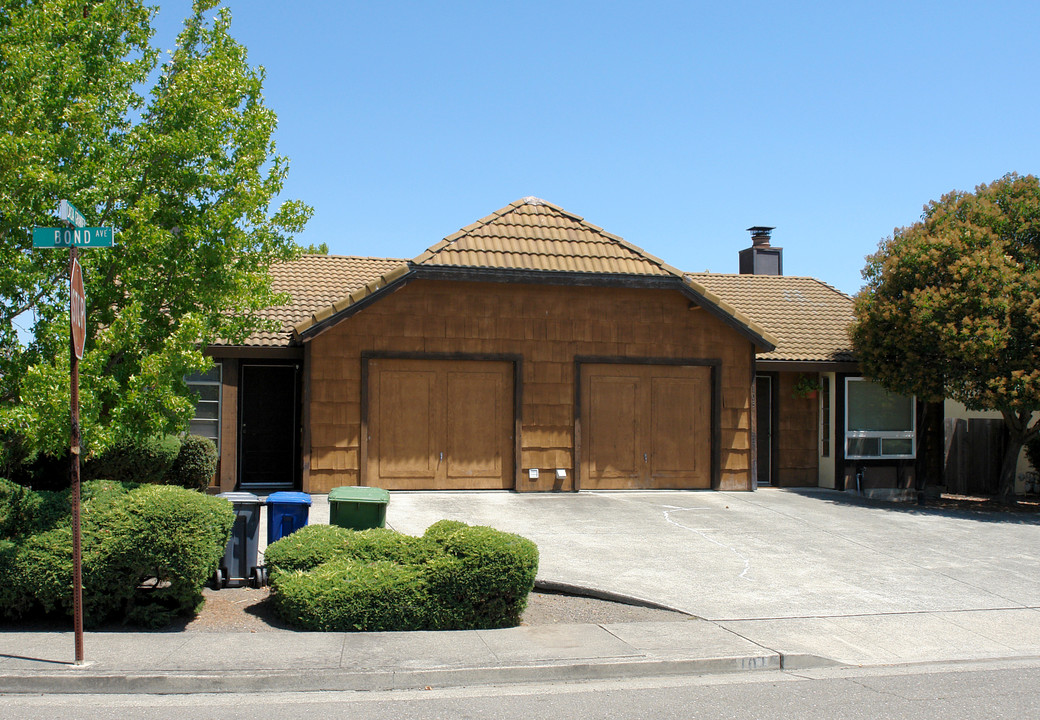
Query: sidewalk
287	661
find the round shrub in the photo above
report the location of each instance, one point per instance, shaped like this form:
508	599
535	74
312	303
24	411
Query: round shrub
483	580
173	535
347	595
139	460
454	577
147	553
195	464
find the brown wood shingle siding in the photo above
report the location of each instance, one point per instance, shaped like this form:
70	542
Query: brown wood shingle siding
546	327
798	436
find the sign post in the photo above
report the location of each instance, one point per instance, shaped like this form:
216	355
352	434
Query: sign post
76	236
77	323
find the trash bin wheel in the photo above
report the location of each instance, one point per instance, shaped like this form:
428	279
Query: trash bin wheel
219	579
257	578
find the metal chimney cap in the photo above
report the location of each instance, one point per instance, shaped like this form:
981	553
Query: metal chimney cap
760	234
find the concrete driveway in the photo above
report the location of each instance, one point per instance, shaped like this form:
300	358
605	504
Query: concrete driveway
768	554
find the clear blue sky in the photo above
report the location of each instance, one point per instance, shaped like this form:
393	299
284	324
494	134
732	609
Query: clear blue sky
673	124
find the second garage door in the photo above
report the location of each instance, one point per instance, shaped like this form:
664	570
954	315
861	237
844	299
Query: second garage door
645	426
440	424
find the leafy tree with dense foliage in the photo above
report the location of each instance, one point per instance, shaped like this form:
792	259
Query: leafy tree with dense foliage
176	153
951	308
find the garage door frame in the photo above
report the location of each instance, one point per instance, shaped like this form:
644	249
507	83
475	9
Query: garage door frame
713	364
515	360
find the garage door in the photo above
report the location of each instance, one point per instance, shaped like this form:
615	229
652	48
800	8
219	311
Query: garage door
440	424
645	426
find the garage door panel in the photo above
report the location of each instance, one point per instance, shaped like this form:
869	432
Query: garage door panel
478	437
406	413
680	442
440	424
612	429
646	426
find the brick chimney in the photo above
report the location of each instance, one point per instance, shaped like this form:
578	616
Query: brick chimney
761	258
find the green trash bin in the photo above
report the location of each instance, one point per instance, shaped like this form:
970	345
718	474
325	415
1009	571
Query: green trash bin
357	507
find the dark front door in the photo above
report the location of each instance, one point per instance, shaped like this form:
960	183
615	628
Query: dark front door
764	420
269	427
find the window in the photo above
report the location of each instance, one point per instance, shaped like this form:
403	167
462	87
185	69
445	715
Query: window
878	424
207	408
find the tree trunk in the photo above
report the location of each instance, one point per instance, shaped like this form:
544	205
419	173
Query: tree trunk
1007	469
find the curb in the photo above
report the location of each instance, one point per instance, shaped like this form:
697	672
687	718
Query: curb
331	679
554	586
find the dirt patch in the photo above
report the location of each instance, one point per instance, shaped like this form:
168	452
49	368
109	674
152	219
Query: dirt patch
982	504
248	610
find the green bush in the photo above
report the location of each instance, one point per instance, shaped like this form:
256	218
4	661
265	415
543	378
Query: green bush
344	595
13	599
139	460
307	548
483	579
454	577
23	511
441	530
147	552
195	464
313	545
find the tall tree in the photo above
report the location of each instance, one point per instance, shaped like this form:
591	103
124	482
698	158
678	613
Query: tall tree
951	308
178	157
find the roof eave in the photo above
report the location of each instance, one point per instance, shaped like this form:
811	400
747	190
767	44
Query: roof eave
780	365
328	316
759	336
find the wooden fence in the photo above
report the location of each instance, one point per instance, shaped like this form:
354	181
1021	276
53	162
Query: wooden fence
974	450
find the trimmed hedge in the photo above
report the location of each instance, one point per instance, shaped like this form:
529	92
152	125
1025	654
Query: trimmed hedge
195	464
344	595
454	577
139	460
147	553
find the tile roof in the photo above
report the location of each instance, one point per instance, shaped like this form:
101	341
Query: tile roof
806	319
313	282
809	318
534	235
531	235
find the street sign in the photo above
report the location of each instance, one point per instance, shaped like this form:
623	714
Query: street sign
68	212
86	237
78	309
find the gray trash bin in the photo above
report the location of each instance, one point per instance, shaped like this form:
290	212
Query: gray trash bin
239	567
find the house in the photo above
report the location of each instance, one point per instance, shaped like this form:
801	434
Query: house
534	351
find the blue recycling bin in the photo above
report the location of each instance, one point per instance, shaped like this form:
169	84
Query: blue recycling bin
286	513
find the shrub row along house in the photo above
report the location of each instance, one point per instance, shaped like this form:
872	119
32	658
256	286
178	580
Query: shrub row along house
534	351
